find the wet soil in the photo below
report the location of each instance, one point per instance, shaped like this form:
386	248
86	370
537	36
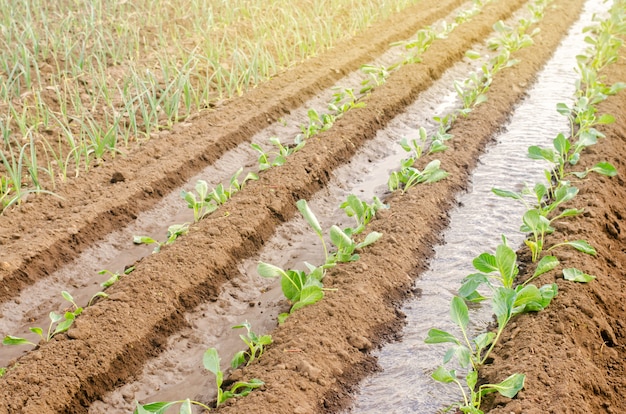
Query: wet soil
321	353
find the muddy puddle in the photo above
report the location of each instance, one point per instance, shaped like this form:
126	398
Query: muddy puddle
476	226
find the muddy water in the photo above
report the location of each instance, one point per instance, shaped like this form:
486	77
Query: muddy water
476	225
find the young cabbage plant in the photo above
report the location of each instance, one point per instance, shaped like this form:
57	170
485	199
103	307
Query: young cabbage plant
408	176
173	232
280	155
299	287
500	269
60	323
340	105
506	303
256	346
201	204
113	277
361	211
346	245
471	403
211	362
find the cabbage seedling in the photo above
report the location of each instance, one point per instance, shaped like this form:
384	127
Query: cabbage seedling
113	277
211	361
471	403
362	212
256	345
201	205
61	323
173	232
346	246
280	155
299	287
408	176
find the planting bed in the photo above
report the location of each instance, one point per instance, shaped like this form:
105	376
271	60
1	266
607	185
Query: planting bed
572	352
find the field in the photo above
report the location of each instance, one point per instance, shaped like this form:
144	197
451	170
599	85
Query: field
129	183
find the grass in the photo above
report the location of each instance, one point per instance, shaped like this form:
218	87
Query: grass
134	68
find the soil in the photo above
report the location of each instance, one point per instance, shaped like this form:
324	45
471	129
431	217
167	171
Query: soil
572	353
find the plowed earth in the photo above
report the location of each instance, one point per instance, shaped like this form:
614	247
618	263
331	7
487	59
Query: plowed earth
572	353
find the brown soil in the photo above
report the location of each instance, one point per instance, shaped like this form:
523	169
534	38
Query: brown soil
321	353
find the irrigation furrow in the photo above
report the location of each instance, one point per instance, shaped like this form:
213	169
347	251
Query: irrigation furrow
181	277
475	226
32	305
167	162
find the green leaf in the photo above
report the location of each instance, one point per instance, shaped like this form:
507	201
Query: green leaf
564	193
185	408
65	325
155	407
238	359
269	270
472	54
309	216
485	263
506	193
394	181
292	283
506	260
66	295
340	238
471	379
369	239
459	312
483	340
36	330
143	240
282	318
581	246
470	284
308	296
14	340
502	304
605	168
437	336
443	375
211	361
561	143
546	264
576	275
527	299
538	153
548	292
55	317
606	119
508	388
